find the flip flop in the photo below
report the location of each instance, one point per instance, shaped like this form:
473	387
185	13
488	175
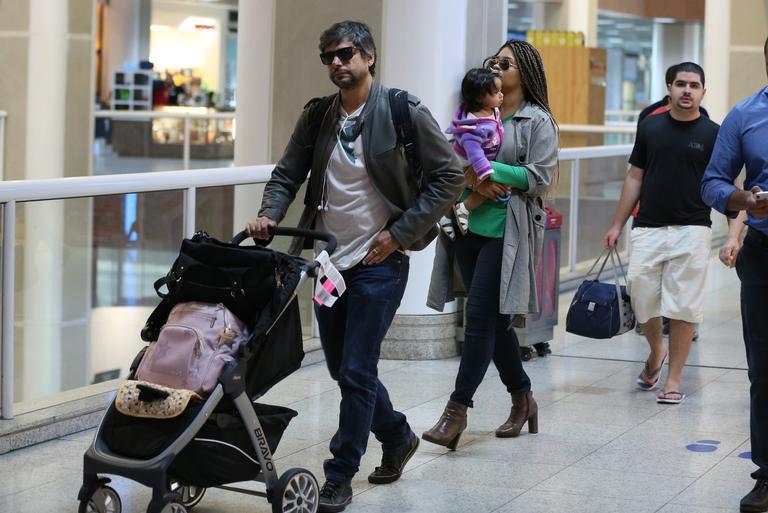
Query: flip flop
642	383
664	397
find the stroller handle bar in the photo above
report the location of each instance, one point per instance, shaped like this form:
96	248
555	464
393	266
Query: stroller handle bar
292	232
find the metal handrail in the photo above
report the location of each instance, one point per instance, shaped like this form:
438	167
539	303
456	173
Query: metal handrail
189	181
143	115
155	114
595	152
622	113
617	128
86	186
3	115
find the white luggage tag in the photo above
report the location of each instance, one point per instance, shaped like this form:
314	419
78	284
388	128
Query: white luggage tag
328	281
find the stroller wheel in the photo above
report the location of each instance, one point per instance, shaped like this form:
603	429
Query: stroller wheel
170	503
104	500
173	507
190	495
295	492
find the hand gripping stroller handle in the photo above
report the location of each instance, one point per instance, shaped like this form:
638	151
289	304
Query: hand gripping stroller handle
292	232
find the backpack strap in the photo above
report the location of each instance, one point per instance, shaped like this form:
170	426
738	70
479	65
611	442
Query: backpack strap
401	119
406	136
319	107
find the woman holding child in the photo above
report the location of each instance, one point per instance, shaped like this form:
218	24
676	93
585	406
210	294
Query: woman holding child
502	215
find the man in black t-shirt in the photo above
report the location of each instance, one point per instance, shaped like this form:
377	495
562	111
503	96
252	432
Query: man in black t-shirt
663	105
671	237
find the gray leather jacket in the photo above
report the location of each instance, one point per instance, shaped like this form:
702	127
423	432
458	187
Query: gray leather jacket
414	215
530	140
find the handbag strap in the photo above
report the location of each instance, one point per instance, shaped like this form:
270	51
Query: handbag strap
159	284
604	257
621	267
619	298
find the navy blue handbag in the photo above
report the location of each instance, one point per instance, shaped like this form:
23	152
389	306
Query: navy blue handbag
600	309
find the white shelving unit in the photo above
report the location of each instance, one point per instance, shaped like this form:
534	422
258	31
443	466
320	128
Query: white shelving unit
132	90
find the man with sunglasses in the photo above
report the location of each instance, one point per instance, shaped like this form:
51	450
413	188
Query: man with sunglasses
362	191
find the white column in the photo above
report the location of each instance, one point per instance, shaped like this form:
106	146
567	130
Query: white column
121	29
669	47
717	52
255	42
40	346
692	42
486	29
430	64
658	88
144	22
582	17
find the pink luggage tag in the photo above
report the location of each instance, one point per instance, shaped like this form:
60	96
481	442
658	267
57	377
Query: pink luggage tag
328	282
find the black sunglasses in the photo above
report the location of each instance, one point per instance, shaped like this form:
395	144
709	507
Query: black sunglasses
503	63
344	54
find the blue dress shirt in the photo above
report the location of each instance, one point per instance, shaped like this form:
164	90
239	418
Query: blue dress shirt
742	141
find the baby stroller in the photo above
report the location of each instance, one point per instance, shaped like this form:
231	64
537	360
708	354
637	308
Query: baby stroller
227	437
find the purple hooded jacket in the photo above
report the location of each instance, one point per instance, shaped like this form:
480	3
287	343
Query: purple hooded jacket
477	139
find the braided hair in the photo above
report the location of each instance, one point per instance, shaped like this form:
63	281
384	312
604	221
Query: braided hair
534	84
532	77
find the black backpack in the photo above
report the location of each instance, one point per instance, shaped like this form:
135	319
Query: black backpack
401	119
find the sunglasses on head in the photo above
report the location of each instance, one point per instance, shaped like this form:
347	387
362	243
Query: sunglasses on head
344	54
503	63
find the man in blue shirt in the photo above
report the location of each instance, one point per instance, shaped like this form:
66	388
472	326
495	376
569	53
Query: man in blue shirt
742	142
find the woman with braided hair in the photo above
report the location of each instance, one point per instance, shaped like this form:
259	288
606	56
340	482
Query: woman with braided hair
497	258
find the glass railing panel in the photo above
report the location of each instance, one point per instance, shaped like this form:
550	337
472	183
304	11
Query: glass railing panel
560	200
600	182
84	275
599	192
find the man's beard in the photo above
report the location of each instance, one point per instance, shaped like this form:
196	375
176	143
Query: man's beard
348	81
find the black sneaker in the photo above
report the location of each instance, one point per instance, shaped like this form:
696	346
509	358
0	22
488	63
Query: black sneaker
393	462
756	501
335	495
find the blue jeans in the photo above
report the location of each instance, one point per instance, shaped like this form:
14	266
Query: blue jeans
351	333
751	266
487	334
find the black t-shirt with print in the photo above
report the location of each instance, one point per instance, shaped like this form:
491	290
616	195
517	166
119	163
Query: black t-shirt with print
673	155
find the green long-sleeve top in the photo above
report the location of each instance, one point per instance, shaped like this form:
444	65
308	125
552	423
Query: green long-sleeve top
489	218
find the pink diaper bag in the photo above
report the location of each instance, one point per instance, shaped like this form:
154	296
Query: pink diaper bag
194	345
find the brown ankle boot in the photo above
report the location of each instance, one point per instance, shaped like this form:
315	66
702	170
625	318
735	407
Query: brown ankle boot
524	409
449	427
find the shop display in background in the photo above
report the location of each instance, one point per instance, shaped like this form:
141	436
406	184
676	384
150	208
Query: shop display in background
201	131
540	38
164	137
182	88
132	89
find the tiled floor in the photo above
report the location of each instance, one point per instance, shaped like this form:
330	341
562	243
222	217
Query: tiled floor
602	447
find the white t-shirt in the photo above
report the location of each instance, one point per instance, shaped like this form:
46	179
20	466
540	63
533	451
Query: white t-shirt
351	208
